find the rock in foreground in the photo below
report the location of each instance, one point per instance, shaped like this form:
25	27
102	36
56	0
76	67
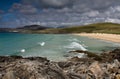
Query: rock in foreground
17	67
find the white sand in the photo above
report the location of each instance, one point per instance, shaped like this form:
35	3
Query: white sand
108	37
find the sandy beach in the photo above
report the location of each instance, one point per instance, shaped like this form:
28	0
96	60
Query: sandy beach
102	36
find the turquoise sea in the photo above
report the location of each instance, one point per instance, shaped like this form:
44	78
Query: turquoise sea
52	46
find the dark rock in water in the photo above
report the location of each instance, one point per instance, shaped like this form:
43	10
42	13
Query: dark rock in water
16	57
9	58
111	55
115	54
17	67
77	59
41	59
89	54
103	57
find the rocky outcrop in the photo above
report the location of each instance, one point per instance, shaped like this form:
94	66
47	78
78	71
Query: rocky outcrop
103	57
17	67
88	55
111	55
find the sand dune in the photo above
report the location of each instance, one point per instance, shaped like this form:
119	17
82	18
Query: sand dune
108	37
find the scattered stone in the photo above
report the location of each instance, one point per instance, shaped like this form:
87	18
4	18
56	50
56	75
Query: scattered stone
96	70
117	76
9	75
17	67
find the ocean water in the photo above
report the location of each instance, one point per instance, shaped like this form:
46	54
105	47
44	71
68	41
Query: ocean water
52	46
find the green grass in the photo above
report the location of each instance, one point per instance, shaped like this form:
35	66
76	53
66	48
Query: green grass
95	28
111	28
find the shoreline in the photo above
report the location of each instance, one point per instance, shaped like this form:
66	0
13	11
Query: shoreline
102	36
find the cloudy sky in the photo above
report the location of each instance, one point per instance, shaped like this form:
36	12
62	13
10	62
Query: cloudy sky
54	13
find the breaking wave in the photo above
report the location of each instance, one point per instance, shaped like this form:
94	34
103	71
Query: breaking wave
41	43
76	45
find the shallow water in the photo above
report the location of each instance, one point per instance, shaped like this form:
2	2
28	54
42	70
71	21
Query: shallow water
52	46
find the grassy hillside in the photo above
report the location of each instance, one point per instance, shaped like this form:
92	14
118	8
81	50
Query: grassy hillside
112	28
92	28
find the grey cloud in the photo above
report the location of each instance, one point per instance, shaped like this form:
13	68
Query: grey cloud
86	5
73	5
1	11
28	9
65	12
70	18
24	9
49	3
56	3
16	6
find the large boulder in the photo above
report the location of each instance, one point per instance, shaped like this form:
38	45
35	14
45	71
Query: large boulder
96	70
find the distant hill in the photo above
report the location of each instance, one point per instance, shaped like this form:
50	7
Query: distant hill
91	28
5	29
33	27
112	28
24	29
95	28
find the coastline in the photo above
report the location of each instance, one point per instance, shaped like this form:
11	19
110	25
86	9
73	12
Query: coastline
102	36
92	66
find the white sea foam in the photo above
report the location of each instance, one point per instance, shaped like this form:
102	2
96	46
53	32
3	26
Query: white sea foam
76	45
84	45
23	50
41	43
116	44
80	55
74	39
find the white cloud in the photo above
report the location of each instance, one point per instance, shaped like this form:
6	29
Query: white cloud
113	20
93	13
